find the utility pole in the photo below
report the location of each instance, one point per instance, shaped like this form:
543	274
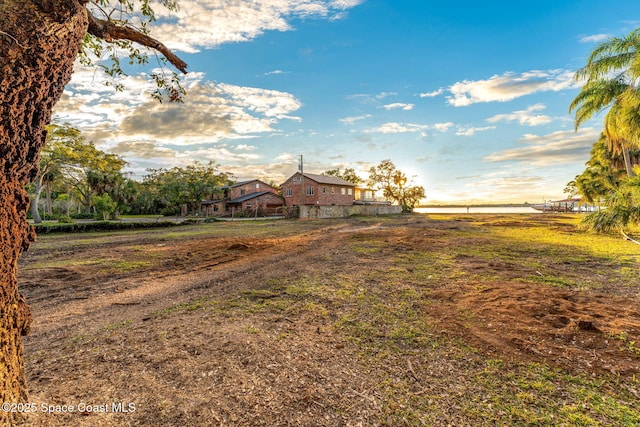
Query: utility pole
301	167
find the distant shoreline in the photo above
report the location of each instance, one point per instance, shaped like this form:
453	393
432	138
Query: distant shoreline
478	205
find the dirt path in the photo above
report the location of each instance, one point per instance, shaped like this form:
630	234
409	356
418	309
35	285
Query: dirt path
202	335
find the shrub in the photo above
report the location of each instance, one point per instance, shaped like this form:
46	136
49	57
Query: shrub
65	219
83	227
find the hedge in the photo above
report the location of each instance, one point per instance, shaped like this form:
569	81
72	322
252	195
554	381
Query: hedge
82	227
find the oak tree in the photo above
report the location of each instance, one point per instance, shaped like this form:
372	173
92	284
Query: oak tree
39	42
393	184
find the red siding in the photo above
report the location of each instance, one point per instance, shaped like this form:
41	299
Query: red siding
292	193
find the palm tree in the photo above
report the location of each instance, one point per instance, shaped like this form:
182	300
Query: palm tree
611	81
601	176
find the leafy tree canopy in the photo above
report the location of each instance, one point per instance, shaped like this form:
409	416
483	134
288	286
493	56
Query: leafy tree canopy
186	185
117	30
611	77
349	174
393	184
71	161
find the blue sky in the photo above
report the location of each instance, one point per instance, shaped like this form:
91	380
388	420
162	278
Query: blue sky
469	98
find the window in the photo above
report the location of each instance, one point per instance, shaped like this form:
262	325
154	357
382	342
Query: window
343	191
257	185
242	192
350	191
333	190
310	191
288	192
324	189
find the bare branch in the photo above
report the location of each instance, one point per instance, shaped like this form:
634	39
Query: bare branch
109	31
11	37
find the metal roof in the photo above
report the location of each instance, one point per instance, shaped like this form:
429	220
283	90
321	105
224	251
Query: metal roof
328	179
250	196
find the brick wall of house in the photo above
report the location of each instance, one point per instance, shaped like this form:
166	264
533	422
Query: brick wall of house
249	187
323	194
264	201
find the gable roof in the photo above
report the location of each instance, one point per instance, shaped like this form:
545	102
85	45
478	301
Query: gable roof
238	184
329	180
250	196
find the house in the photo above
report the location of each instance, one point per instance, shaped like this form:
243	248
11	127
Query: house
254	203
246	197
243	188
318	190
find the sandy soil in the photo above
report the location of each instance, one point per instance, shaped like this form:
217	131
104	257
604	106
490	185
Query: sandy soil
142	338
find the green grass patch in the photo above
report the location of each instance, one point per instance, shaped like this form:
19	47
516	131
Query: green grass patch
185	307
117	325
130	265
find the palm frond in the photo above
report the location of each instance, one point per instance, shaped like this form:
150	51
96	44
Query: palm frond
608	220
595	97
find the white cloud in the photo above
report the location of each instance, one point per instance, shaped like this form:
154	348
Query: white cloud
246	147
352	120
559	147
210	23
141	150
470	131
274	72
399	128
346	4
393	127
398	106
594	38
432	94
383	95
218	153
287	158
524	117
509	186
210	111
509	86
442	127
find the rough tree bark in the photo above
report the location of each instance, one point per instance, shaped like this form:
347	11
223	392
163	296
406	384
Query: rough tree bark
39	41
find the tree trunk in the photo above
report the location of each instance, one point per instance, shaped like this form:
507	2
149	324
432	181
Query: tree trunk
47	189
36	201
39	41
627	161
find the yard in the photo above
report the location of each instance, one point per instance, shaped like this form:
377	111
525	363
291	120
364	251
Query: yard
402	320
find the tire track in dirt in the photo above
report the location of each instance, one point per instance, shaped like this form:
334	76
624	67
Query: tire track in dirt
253	379
136	296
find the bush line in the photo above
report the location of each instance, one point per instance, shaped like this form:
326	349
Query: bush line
83	227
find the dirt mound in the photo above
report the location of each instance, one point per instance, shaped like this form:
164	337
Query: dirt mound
580	332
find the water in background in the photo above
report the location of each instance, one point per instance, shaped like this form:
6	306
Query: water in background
485	210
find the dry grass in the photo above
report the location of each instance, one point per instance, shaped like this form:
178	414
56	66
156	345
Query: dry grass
408	320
